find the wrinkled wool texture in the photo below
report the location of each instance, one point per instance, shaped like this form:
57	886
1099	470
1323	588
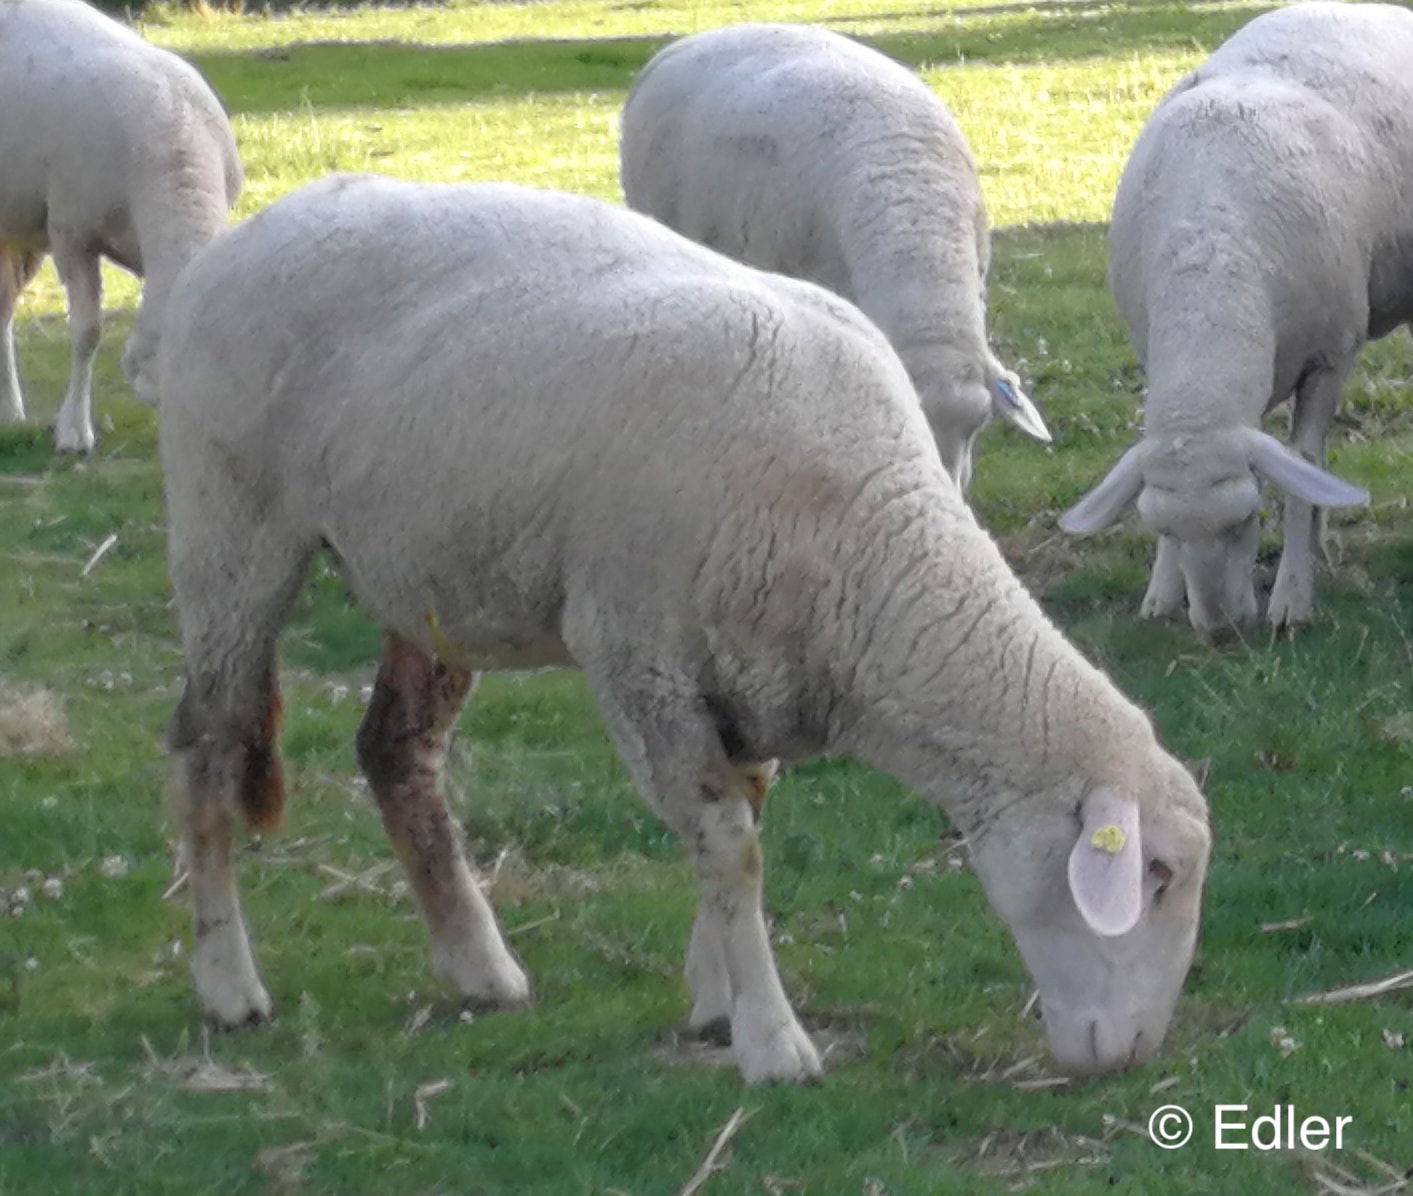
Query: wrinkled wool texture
798	150
576	461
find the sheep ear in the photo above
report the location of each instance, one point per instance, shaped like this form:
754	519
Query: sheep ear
1106	865
1010	403
1297	477
1108	500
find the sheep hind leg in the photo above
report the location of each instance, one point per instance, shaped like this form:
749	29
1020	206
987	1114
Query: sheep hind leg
402	750
224	761
223	739
78	270
17	267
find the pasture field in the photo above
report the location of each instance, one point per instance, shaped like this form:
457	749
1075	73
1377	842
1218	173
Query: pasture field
372	1080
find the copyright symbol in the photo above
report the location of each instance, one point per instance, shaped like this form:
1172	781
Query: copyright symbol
1170	1127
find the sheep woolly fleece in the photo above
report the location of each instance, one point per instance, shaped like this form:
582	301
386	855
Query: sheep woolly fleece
112	148
559	433
794	149
1262	232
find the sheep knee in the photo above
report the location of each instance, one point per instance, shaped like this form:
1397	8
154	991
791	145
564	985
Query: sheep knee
415	702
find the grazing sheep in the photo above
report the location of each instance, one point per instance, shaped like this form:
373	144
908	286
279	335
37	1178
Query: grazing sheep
111	148
797	150
1262	232
557	433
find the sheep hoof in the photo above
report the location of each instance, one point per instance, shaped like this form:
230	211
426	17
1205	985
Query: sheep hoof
227	982
74	440
497	983
1290	606
1163	601
254	1020
237	1007
784	1054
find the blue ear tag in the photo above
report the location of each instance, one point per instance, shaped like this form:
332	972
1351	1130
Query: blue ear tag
1005	392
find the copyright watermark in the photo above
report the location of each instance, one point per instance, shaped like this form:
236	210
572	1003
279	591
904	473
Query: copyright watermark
1170	1127
1234	1128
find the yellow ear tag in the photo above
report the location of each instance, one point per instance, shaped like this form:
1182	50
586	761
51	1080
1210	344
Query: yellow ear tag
1109	839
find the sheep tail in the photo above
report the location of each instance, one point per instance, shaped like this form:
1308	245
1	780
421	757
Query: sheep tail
262	782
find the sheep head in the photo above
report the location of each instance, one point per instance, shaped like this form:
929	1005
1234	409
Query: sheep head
961	402
1103	902
1201	492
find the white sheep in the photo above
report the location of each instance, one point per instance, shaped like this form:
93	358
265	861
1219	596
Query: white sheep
555	432
1262	232
794	149
111	148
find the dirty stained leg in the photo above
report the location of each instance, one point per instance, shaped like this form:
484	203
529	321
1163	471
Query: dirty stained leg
1293	593
224	762
17	267
234	580
402	746
669	742
707	978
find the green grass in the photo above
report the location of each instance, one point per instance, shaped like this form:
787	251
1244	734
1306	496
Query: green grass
887	948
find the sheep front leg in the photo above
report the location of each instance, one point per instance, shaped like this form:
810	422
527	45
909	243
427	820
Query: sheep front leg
79	272
769	1042
402	749
1166	588
708	981
669	742
1293	594
707	977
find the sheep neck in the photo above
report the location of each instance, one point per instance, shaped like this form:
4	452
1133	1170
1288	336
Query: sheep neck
1230	379
916	252
963	688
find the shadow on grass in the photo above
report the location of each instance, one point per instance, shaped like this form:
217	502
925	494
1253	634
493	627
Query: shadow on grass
402	75
25	449
398	74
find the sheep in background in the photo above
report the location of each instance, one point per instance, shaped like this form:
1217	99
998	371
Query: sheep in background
558	433
794	149
110	148
1262	232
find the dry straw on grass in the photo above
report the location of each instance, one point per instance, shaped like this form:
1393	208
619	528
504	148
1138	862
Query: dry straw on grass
32	722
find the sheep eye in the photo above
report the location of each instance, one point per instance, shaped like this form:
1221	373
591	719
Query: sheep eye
1163	873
